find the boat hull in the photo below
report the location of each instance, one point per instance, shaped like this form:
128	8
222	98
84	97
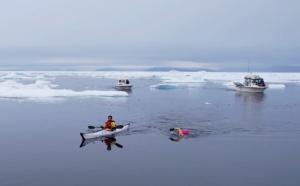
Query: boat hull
128	87
251	89
103	133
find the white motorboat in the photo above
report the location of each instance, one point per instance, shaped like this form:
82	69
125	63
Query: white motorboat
123	84
252	83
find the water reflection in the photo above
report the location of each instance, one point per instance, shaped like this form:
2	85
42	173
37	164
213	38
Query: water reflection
250	97
251	105
109	142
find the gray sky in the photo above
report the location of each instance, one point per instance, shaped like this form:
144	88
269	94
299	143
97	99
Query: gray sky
215	34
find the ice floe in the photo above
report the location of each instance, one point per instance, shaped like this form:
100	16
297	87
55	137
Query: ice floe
45	89
168	77
168	80
165	86
276	86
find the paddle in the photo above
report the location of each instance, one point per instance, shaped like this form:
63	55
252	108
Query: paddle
119	145
93	127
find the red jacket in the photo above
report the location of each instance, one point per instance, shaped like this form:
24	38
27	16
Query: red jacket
109	124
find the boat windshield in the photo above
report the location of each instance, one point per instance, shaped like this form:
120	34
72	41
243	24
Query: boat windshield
124	81
258	82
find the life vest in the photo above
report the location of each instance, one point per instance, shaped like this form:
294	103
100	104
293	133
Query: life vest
110	124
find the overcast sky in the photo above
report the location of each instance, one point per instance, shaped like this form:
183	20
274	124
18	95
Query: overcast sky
215	34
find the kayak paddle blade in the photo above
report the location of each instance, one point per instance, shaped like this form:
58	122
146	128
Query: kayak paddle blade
119	145
119	126
91	127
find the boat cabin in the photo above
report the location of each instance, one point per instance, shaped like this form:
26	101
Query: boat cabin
123	82
254	80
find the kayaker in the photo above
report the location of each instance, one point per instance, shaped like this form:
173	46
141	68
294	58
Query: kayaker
110	124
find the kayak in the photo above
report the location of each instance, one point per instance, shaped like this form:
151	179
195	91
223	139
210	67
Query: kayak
104	133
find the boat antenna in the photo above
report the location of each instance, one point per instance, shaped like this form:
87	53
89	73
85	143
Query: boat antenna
248	67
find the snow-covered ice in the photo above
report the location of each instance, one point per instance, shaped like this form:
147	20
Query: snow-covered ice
44	89
12	83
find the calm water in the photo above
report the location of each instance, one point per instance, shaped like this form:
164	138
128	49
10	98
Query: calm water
236	139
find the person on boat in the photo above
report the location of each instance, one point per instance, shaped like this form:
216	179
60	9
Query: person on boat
110	124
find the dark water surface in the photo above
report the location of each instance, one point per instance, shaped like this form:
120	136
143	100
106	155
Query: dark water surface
236	139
